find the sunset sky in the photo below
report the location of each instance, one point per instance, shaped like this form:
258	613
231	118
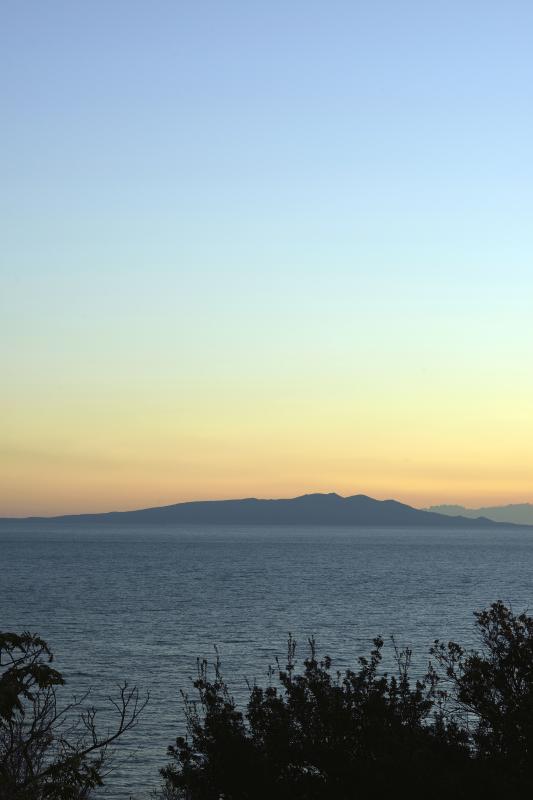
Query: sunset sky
265	248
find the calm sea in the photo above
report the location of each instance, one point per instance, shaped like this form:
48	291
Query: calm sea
143	604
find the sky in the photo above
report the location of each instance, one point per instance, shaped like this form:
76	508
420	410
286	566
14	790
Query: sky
264	249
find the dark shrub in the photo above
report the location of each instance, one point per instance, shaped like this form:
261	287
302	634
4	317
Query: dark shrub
464	731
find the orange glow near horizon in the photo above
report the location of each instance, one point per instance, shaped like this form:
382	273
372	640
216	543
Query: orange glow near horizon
119	461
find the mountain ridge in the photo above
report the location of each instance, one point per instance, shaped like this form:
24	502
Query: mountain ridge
514	513
308	509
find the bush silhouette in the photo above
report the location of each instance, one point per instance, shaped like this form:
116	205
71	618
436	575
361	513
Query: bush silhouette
490	693
465	730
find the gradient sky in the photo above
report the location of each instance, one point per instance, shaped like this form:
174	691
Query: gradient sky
265	248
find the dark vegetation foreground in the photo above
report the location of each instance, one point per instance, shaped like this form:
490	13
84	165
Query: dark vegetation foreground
463	731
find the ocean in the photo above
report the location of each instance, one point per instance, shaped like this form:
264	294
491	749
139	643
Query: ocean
142	604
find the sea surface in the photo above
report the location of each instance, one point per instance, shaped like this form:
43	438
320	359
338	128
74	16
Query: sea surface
144	604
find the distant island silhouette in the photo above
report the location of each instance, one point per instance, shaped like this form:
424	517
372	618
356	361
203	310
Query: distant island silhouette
516	513
309	509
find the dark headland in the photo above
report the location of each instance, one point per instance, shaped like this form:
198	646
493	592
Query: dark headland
310	509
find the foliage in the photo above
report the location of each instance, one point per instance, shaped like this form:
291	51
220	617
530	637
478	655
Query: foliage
48	752
465	729
491	692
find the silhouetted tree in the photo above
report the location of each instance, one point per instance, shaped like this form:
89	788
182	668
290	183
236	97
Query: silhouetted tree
464	731
317	734
48	752
490	693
